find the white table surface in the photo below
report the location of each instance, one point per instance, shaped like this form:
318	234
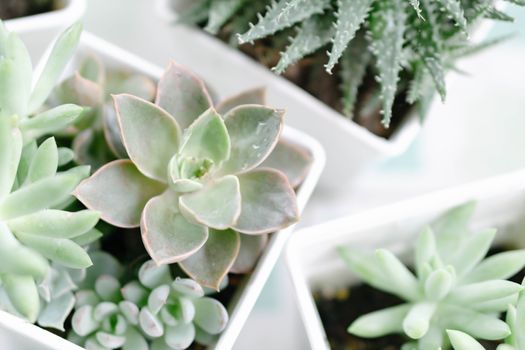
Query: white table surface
480	132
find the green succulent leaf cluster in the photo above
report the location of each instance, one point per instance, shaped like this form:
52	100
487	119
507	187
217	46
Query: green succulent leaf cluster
154	311
96	138
40	240
192	182
416	40
453	287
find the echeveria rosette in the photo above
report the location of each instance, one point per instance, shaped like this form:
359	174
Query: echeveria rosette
33	228
154	312
96	139
21	98
453	288
192	182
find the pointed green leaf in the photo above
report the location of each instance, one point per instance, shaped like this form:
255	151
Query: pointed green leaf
217	204
211	263
478	325
255	96
61	53
425	249
50	121
472	251
139	118
254	131
43	194
268	202
281	15
417	321
206	138
119	192
438	284
402	282
463	341
167	235
45	161
452	228
62	251
365	267
10	153
211	316
499	266
23	294
182	95
483	291
380	323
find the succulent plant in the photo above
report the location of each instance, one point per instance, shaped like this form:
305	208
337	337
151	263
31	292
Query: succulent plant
154	312
191	182
453	287
96	137
413	41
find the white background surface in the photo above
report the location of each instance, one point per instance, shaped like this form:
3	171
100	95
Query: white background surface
478	133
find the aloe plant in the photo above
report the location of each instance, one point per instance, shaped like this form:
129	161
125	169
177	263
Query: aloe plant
154	311
453	288
192	183
411	41
96	139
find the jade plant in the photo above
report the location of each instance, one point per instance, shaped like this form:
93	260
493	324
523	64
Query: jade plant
452	286
153	311
192	182
406	45
96	140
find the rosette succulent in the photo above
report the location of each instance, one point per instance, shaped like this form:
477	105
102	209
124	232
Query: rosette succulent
154	312
96	137
405	45
192	182
453	288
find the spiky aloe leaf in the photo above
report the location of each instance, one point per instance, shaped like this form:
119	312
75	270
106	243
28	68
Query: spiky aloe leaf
461	51
387	28
455	10
281	15
416	5
495	14
220	12
354	63
350	15
313	34
424	39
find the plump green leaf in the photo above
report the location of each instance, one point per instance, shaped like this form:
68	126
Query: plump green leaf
417	321
268	202
483	291
150	324
119	192
472	251
108	288
255	96
166	233
55	223
182	95
217	204
49	121
42	194
62	251
180	336
499	266
139	118
135	293
83	322
400	280
211	263
478	325
438	284
206	138
45	161
158	298
23	294
61	53
211	316
10	153
425	250
187	287
463	341
134	340
254	132
365	267
452	228
380	323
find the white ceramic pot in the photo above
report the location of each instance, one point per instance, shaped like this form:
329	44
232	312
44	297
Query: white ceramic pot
25	336
38	31
315	265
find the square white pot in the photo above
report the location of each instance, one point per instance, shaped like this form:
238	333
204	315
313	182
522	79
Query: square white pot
25	336
315	265
38	31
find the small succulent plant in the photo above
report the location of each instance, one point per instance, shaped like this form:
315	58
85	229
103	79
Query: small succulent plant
96	137
37	235
154	312
415	41
191	182
453	287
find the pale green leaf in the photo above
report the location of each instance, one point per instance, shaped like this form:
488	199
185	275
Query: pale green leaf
499	266
417	321
255	96
10	153
211	316
400	280
380	323
23	294
45	161
463	341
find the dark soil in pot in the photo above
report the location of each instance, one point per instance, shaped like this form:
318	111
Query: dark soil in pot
339	310
310	75
21	8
